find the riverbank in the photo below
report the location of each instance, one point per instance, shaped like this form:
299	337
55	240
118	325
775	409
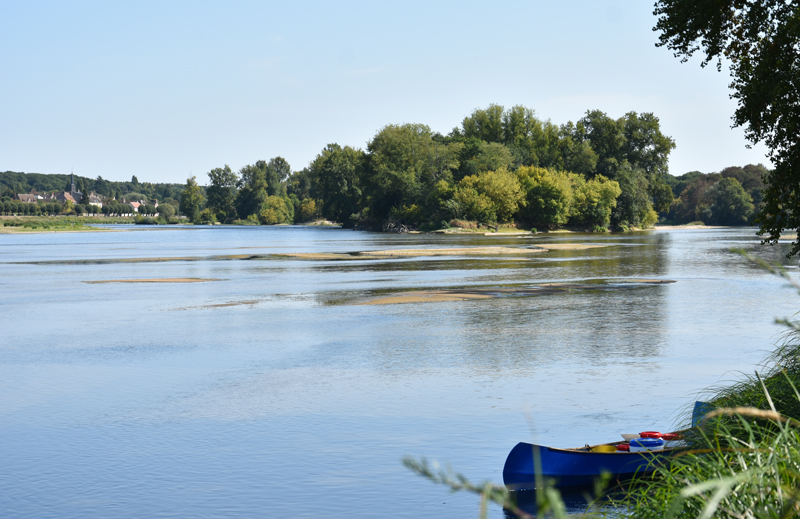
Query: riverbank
44	224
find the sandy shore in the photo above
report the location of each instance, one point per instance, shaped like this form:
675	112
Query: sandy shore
679	227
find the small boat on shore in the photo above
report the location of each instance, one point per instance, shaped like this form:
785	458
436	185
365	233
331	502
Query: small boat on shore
581	466
529	465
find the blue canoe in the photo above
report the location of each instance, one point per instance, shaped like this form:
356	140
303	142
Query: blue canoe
575	467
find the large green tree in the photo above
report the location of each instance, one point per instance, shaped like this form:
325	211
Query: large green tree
486	125
729	203
338	175
252	189
276	171
633	151
548	196
490	195
760	41
191	199
222	192
404	164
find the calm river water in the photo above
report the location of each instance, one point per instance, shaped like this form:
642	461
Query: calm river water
267	393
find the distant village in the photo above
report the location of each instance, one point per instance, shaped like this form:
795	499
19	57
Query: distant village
91	202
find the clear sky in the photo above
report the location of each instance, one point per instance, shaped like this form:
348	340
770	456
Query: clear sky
164	90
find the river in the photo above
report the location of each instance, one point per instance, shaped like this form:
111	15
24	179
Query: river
267	392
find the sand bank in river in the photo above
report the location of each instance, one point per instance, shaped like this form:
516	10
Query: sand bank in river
463	294
364	255
450	251
151	280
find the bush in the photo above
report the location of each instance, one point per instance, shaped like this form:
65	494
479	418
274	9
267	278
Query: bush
308	210
593	200
205	217
649	219
548	195
463	224
166	210
406	215
477	206
490	196
274	211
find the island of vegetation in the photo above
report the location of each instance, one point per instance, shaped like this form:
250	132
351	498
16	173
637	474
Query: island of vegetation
500	167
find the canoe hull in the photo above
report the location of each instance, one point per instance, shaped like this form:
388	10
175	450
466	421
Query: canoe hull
573	467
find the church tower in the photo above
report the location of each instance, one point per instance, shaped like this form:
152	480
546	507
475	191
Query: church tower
72	183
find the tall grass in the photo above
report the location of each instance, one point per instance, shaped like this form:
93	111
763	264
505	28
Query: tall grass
749	471
744	457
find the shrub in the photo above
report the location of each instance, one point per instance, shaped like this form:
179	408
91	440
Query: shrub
274	211
166	210
463	224
593	200
206	216
308	210
477	206
548	195
649	219
490	196
406	215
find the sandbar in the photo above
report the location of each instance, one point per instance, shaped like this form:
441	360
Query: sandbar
363	255
463	294
151	280
456	251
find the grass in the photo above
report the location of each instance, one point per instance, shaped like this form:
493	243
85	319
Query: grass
43	224
59	223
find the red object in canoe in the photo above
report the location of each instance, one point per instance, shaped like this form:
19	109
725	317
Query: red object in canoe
650	434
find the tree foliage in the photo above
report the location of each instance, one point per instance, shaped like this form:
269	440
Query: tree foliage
274	211
729	203
338	173
593	200
548	197
252	189
730	197
761	42
501	165
191	199
222	193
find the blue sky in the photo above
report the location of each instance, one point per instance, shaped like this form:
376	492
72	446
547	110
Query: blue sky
165	90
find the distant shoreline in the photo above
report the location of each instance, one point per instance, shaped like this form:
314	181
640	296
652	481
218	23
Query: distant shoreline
679	227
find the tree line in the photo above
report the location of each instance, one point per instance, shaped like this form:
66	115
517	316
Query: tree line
14	183
14	207
500	165
734	196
